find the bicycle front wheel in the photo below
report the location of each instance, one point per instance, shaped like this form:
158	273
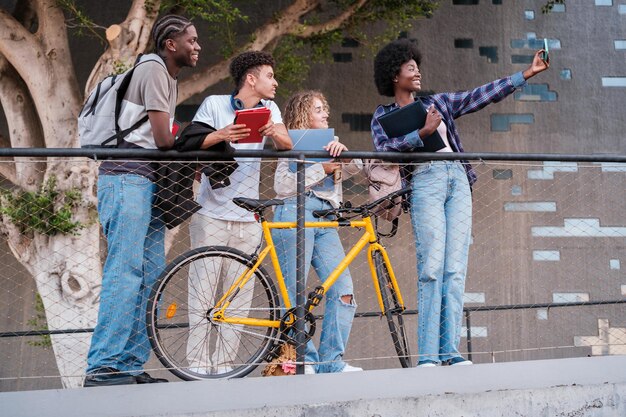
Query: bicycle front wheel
392	311
185	335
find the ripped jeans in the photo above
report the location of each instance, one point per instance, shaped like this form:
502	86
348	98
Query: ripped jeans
324	251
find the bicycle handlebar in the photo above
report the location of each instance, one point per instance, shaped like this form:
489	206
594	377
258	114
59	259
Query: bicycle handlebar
363	209
259	206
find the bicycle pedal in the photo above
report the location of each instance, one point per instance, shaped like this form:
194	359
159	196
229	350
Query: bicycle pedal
315	297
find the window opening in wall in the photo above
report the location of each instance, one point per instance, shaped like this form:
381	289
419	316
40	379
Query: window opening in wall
613	81
464	43
521	59
534	43
535	92
342	57
490	52
359	122
502	174
350	43
502	122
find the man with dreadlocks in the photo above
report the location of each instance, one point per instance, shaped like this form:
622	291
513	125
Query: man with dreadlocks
133	228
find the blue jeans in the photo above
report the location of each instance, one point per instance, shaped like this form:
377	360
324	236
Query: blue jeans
441	216
136	256
324	251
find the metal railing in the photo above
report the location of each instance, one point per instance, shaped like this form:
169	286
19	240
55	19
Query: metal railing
500	203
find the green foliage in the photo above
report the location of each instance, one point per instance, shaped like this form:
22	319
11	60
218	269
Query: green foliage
79	21
119	67
222	17
394	16
39	323
290	66
391	17
547	8
375	23
47	211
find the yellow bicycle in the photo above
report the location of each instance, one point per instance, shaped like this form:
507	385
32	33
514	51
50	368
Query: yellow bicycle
203	328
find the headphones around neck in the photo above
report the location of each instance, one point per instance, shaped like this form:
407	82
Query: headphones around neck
237	104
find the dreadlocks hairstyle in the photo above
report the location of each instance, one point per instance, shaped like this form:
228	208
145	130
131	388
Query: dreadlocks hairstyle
248	62
389	60
168	27
297	113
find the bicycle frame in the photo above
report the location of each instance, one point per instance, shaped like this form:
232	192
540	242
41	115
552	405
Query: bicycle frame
368	238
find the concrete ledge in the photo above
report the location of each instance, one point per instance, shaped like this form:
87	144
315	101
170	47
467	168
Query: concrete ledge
580	387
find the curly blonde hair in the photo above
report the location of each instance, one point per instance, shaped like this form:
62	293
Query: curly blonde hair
297	114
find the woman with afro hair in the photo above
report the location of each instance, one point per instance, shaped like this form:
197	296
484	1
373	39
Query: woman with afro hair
441	201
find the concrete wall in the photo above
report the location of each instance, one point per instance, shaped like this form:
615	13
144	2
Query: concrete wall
583	387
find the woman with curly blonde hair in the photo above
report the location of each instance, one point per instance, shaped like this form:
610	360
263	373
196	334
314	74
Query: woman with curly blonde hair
309	110
297	114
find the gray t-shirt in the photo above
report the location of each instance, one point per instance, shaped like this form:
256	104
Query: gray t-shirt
151	89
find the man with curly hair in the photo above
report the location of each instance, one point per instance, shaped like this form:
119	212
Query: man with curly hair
220	221
441	201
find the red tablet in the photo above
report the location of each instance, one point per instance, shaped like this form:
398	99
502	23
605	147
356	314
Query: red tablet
255	119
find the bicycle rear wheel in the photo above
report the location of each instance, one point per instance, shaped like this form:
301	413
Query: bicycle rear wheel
392	311
179	321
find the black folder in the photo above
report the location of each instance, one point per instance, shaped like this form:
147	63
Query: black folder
408	119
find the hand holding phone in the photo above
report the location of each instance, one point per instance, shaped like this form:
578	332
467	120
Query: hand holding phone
545	55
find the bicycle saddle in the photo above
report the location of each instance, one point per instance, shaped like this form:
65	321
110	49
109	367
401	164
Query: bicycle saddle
256	206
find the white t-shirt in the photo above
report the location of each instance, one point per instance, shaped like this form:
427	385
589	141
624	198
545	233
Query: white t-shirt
218	112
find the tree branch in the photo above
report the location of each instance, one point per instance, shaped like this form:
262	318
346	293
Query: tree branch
286	21
305	31
24	127
126	41
18	45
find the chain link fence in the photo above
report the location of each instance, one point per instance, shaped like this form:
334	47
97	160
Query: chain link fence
545	276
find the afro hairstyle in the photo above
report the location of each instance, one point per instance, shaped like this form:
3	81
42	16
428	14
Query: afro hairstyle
389	60
246	62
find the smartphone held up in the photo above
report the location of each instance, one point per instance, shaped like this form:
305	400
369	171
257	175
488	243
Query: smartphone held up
545	55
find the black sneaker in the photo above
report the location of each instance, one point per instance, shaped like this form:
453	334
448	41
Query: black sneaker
459	361
145	378
103	377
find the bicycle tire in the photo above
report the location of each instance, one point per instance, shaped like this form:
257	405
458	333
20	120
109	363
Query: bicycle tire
238	347
392	311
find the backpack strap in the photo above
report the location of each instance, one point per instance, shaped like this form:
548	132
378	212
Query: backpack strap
121	92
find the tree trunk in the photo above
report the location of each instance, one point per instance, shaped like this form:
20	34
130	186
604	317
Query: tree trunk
41	99
67	270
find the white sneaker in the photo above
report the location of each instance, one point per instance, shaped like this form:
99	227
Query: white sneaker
426	364
350	368
309	370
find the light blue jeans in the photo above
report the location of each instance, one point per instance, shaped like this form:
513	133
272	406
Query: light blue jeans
136	256
324	251
441	216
